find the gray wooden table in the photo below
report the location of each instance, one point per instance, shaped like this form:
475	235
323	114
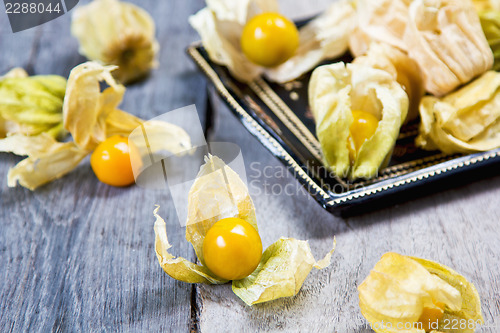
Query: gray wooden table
78	255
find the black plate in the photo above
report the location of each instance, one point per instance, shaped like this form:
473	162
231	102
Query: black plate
279	116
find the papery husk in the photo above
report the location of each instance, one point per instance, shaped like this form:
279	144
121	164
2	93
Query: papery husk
117	33
281	272
30	120
401	67
47	159
465	121
490	22
220	26
444	37
218	193
221	23
91	116
471	304
15	72
448	43
31	105
334	91
86	108
325	37
178	268
382	21
399	288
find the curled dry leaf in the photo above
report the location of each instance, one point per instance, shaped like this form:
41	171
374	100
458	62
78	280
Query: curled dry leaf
444	37
91	116
281	272
465	121
338	89
217	193
86	108
407	294
221	23
117	33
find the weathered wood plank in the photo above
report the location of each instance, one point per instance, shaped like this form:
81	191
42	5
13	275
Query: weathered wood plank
77	255
456	227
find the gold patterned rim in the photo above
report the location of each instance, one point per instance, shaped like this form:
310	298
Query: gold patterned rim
295	125
409	171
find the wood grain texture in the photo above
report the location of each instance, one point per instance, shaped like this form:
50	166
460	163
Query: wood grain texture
78	255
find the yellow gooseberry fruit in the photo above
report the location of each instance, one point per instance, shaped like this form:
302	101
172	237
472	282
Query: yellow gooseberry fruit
232	248
362	128
430	317
111	161
269	39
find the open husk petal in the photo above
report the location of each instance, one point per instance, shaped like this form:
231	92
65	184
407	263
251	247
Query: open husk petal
465	121
334	91
402	68
177	267
399	289
281	272
47	159
217	193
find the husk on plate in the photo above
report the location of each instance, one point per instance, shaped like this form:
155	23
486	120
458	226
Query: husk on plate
217	193
221	23
465	121
337	89
402	68
444	37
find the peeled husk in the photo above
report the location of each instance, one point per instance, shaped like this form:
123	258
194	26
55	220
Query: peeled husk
465	121
218	193
282	270
482	5
221	23
399	288
337	89
117	33
444	37
490	22
90	116
401	67
47	159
